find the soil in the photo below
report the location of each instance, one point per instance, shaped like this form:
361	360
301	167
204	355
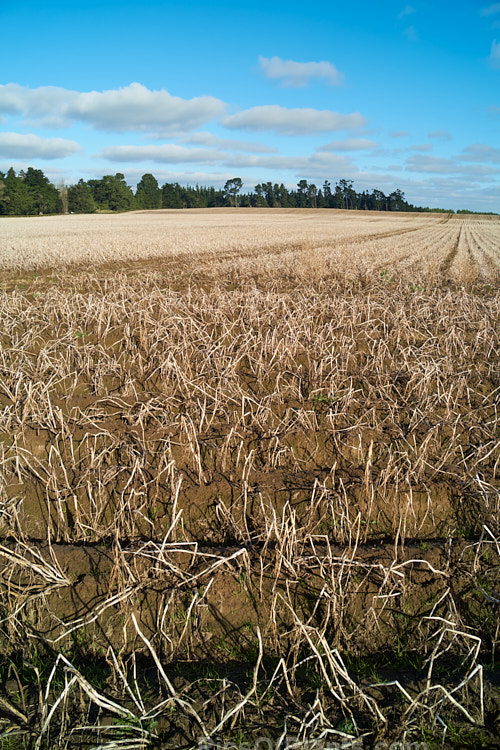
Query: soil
342	486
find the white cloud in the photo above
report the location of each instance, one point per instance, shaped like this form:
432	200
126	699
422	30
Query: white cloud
238	161
481	152
136	108
350	144
11	98
422	147
442	135
452	191
209	139
314	164
167	153
133	108
297	74
494	57
293	121
329	166
408	11
490	10
432	164
29	146
45	105
399	134
390	168
437	165
16	99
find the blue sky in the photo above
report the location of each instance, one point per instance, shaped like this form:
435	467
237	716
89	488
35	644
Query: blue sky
390	95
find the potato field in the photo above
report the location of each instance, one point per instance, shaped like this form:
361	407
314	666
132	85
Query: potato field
249	480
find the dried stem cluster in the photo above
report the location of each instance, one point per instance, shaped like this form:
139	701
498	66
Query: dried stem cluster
260	489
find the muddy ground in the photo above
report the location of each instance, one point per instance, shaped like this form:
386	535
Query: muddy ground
219	495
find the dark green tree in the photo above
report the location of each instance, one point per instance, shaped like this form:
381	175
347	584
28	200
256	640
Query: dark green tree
379	200
44	196
211	197
15	199
148	194
112	193
171	195
302	193
259	200
81	199
284	196
31	192
232	188
345	188
312	194
327	195
397	201
269	194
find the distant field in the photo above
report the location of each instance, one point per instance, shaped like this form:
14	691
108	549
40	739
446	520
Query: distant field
249	479
462	248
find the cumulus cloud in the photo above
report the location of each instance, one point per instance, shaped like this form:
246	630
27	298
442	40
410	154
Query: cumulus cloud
45	105
133	108
136	108
422	147
299	74
29	146
432	164
494	57
481	152
350	144
167	153
324	165
293	121
437	165
399	134
239	161
314	164
16	99
209	139
442	135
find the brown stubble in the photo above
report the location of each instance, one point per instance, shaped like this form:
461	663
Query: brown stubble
286	450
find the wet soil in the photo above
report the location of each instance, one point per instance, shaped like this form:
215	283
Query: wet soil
176	472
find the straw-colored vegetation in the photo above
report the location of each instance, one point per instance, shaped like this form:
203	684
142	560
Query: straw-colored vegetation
249	479
250	242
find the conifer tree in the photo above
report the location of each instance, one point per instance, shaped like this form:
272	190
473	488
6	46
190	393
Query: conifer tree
148	194
81	199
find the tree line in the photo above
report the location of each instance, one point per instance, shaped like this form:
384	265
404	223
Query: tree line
31	193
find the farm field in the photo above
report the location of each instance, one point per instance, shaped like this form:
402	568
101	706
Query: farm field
249	479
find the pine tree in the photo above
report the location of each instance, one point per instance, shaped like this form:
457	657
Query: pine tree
15	199
112	193
44	196
148	194
81	199
232	188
